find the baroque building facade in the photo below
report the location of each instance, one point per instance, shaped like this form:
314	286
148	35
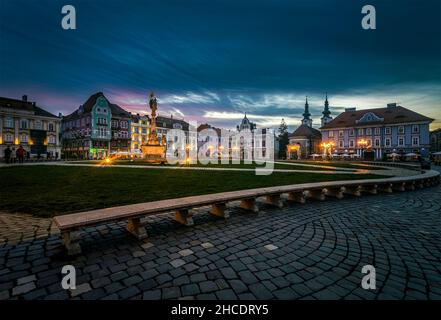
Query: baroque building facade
375	133
96	130
24	123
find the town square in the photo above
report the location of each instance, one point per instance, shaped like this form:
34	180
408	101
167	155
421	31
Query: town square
144	172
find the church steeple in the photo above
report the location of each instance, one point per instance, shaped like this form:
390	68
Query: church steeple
326	112
306	115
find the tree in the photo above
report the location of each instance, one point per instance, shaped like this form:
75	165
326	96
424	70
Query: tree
283	139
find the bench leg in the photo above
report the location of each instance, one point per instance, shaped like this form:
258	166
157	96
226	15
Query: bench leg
336	192
274	200
249	204
372	189
318	194
355	191
386	188
297	197
184	217
220	210
71	240
135	227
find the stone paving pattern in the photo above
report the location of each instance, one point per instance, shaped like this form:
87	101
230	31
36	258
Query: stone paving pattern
312	251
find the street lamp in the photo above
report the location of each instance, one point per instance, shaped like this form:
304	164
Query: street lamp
362	144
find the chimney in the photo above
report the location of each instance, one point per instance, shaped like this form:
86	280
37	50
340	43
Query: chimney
392	105
24	98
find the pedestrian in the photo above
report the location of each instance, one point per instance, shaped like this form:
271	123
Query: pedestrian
13	155
7	154
20	153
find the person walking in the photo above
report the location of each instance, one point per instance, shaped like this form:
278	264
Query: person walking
20	154
13	156
7	154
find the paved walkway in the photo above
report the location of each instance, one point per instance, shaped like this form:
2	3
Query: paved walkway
312	251
327	169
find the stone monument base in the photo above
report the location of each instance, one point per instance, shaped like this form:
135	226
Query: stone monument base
153	153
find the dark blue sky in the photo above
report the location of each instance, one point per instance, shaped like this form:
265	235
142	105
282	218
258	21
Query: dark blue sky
212	61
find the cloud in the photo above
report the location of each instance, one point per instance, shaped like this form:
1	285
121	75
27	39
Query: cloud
189	97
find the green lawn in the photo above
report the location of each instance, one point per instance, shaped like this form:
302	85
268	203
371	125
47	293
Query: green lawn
54	190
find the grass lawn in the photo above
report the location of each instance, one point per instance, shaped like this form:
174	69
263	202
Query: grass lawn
54	190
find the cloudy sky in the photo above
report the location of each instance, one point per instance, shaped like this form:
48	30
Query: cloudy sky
213	60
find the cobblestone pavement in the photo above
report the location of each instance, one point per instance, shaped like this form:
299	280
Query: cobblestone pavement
312	251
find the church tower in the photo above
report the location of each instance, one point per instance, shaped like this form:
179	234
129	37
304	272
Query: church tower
326	113
306	115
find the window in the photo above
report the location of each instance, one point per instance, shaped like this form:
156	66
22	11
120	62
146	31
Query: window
8	137
331	134
368	131
340	143
136	146
415	128
387	130
401	130
24	138
351	143
9	123
387	142
23	124
369	143
144	130
360	131
351	132
136	130
340	133
38	125
124	124
415	141
377	142
400	141
114	124
51	127
377	131
51	139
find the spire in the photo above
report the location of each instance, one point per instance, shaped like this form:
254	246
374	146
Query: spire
326	111
306	114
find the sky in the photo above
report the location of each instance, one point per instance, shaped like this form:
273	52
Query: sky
211	61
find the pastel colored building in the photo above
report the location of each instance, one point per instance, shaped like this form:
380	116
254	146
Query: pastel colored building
96	129
374	133
24	123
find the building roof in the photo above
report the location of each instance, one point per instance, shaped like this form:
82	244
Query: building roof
389	115
168	122
24	105
306	131
87	107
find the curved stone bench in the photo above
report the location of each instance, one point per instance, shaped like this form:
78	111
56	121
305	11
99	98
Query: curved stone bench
70	225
